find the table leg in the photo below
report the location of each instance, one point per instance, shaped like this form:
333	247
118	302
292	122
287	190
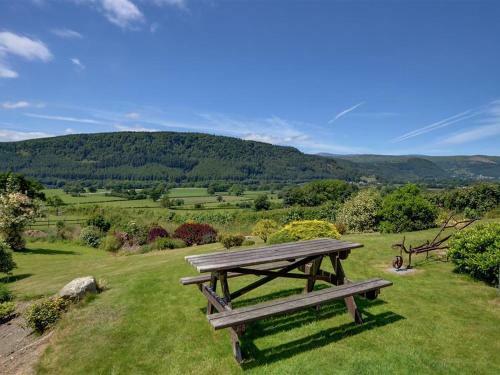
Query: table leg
213	286
349	301
225	288
313	272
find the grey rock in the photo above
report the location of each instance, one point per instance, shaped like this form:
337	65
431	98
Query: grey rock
77	288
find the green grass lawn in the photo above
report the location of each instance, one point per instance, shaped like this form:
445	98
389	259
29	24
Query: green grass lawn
434	321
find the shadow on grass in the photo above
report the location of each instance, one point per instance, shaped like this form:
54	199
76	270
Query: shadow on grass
47	252
12	278
257	357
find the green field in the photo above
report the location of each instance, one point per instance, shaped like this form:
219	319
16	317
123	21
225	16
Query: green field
431	322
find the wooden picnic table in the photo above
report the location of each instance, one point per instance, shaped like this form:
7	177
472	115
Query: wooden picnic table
269	263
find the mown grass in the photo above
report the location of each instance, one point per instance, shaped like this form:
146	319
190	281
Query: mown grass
433	321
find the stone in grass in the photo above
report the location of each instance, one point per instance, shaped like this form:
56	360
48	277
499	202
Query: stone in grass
78	288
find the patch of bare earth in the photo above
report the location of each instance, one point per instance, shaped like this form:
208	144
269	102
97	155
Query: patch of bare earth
20	347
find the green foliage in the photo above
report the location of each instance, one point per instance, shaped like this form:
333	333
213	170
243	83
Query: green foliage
360	212
136	232
476	251
55	201
44	314
163	243
10	182
90	236
262	203
264	228
236	190
304	230
7	264
406	209
5	293
318	192
17	210
231	240
6	310
111	243
248	243
100	222
473	200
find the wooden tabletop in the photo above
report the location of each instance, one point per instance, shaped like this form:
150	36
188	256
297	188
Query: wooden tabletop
227	260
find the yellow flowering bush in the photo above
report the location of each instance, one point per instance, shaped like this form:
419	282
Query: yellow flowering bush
304	230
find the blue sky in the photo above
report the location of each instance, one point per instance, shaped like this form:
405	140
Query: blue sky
387	77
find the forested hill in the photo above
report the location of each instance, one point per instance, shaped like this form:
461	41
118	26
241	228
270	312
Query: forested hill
142	158
425	168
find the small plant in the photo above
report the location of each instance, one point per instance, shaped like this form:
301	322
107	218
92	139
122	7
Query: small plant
262	203
198	206
341	227
248	243
476	251
7	264
196	234
44	314
99	222
137	233
91	236
5	293
112	243
7	310
231	240
162	243
155	232
264	228
305	230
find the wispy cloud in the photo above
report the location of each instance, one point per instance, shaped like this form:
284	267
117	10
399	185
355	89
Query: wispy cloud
66	33
15	105
18	45
475	134
132	115
67	119
77	63
134	128
7	135
345	112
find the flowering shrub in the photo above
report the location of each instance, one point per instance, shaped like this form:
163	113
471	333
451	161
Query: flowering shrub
194	233
16	212
360	212
476	251
156	232
264	228
137	234
304	230
91	236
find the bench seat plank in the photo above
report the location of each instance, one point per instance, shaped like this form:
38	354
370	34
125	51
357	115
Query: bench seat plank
256	312
206	278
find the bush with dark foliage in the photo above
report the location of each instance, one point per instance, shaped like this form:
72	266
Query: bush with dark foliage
155	232
196	234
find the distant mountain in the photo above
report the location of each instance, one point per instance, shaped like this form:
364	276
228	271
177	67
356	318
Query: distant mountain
425	168
145	158
142	159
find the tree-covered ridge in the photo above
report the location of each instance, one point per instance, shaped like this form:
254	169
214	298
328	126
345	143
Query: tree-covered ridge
164	156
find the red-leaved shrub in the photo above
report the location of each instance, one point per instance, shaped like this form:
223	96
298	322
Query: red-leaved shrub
194	233
156	232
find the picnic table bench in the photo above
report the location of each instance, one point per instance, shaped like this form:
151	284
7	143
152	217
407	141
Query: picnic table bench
273	262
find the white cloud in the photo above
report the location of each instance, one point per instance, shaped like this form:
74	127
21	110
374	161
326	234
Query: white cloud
7	135
345	112
67	119
69	131
136	128
78	64
67	33
22	46
181	4
15	105
123	13
154	27
476	134
30	49
132	115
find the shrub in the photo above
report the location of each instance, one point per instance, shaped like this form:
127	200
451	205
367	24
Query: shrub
360	212
91	236
194	233
99	222
264	228
318	192
155	232
5	293
304	230
137	234
112	243
7	264
405	209
341	227
262	203
248	243
476	251
162	243
198	206
44	314
7	309
231	240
